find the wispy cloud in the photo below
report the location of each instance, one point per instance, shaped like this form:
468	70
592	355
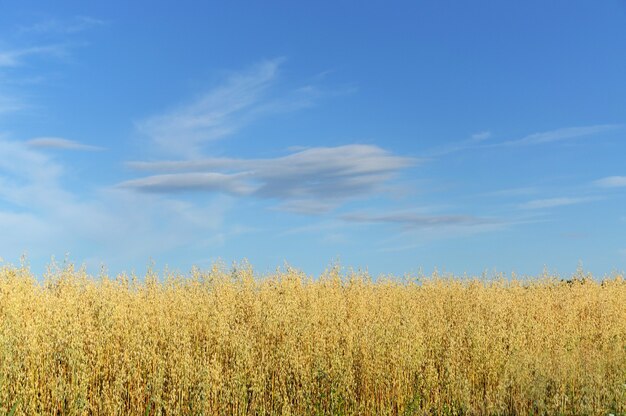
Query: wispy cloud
224	110
476	141
480	136
17	57
410	220
611	182
18	161
22	61
216	114
553	202
311	180
418	229
56	26
234	184
512	192
574	235
40	213
308	180
318	227
562	134
60	144
308	206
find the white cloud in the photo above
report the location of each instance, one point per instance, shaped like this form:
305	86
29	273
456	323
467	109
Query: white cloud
222	111
461	145
481	136
612	182
35	201
512	192
18	161
55	26
307	206
60	143
561	134
17	57
13	81
546	137
34	45
411	220
195	181
418	228
552	202
40	214
310	180
216	114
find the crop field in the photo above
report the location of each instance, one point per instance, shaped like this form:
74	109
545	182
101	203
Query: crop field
227	341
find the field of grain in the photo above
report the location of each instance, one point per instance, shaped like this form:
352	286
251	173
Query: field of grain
226	341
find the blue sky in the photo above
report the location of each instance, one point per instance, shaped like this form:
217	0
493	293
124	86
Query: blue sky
390	136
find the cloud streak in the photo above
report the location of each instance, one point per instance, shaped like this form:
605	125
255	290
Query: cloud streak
476	141
244	96
195	181
553	202
216	114
34	47
54	26
310	180
60	144
411	220
558	135
480	136
16	57
611	182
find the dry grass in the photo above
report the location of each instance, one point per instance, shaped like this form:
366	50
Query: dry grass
227	342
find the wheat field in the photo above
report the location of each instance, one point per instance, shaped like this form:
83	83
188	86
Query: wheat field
227	341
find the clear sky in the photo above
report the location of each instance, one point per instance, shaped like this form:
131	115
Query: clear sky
393	136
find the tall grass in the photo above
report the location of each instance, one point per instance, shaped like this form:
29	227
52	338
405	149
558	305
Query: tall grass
228	342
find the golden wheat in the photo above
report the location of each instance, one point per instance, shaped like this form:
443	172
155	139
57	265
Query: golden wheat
230	342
